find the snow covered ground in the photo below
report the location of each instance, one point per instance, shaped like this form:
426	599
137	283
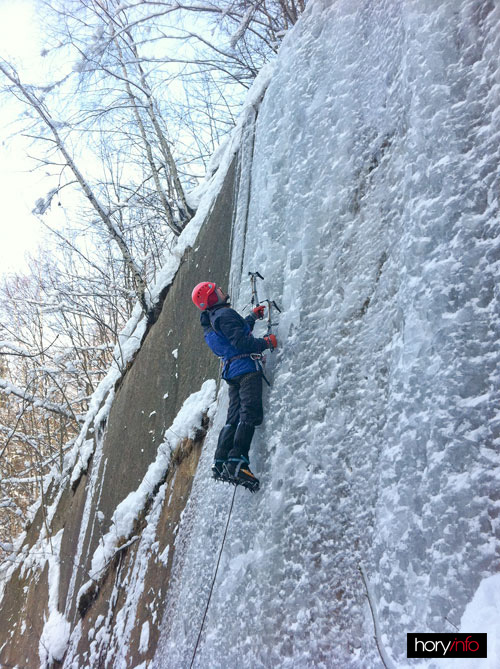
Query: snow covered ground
374	219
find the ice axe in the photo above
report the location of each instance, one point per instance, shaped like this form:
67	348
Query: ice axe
255	300
270	305
253	280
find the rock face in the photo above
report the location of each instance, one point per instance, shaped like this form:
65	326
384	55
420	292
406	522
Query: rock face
366	192
172	362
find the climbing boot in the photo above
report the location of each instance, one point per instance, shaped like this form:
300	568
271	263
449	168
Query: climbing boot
238	472
218	473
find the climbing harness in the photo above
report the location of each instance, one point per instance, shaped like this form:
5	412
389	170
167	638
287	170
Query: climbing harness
213	580
253	356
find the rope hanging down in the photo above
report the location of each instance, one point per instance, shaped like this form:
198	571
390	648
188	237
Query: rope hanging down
213	580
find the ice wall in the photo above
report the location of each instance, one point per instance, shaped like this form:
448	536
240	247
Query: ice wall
373	216
365	189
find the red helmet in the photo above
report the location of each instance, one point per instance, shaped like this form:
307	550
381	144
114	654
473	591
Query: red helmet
205	295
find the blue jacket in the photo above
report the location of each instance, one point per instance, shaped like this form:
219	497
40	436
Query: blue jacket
229	335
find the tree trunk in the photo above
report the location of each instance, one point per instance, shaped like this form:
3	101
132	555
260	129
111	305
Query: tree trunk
167	154
166	206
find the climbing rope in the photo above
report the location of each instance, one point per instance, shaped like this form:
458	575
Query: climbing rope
213	580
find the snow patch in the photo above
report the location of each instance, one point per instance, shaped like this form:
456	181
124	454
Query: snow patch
144	640
185	424
56	630
54	639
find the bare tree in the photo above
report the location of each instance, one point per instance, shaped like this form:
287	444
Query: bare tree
41	110
57	333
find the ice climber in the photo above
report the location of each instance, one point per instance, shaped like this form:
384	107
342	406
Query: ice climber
229	336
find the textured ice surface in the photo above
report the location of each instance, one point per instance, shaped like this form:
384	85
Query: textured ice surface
374	218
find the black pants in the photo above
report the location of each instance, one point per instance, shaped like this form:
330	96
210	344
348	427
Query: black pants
244	414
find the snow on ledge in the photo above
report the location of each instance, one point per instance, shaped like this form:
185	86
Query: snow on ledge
126	513
55	634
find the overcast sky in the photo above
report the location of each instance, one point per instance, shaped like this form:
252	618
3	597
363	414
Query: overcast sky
20	40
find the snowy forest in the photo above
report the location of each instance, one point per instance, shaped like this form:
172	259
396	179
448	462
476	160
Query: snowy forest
348	152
